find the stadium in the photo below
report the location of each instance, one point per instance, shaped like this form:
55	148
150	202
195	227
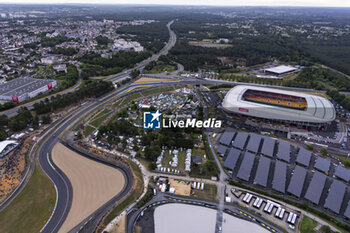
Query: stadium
279	105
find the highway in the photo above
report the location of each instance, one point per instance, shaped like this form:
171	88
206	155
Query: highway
126	73
113	78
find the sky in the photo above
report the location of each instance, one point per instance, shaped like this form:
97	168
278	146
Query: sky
322	3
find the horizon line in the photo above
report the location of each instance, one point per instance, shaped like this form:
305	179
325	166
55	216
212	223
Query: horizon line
171	4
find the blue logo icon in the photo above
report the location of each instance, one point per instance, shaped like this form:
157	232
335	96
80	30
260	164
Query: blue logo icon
151	120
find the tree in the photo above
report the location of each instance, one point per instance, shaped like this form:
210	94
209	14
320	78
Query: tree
324	152
46	119
310	147
35	122
3	135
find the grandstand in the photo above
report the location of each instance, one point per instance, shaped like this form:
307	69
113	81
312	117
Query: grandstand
279	105
282	100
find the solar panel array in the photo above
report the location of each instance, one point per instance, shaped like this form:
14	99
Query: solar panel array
226	137
347	211
297	181
254	142
304	157
268	146
232	159
342	173
279	177
222	149
240	140
262	172
322	164
246	166
335	196
283	152
315	188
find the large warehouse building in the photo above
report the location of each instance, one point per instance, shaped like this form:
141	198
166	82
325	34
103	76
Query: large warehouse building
279	105
23	88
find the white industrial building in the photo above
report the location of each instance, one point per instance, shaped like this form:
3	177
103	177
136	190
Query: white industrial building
23	88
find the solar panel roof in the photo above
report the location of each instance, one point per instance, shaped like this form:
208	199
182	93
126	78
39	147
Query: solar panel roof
268	146
347	211
335	196
262	172
322	164
254	142
222	149
246	166
297	181
232	159
315	188
240	140
226	137
342	173
304	157
283	152
279	177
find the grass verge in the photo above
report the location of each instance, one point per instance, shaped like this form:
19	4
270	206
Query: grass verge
308	225
30	210
88	130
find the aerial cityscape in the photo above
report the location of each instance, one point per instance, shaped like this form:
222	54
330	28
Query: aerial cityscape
174	118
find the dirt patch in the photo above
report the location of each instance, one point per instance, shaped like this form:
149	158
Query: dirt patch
93	183
181	188
151	80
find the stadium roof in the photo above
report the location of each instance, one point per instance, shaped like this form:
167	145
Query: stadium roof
240	140
318	110
315	188
283	152
226	137
342	173
279	177
335	196
281	69
222	149
254	142
232	159
246	166
347	211
304	157
297	181
262	172
268	146
322	164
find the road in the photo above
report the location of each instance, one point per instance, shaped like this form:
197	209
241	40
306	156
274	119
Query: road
114	78
11	112
126	73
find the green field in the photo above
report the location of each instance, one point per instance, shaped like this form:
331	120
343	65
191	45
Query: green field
97	121
131	98
157	90
103	112
308	225
208	193
88	130
160	69
31	208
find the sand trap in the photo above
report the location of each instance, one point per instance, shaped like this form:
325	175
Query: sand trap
93	184
174	218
